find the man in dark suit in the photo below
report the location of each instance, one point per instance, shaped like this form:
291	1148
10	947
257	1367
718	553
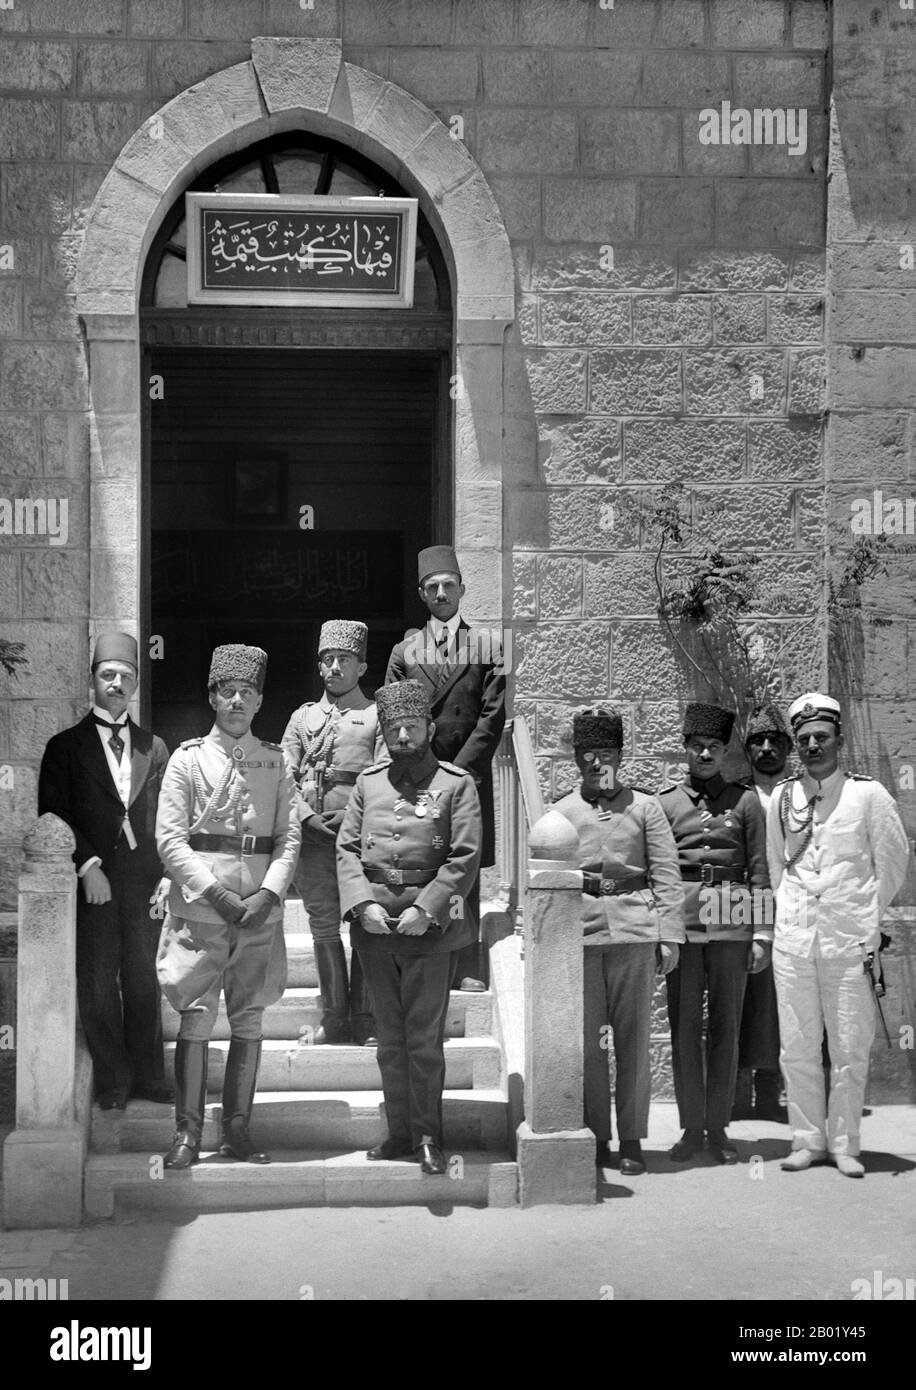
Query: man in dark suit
462	669
408	853
102	777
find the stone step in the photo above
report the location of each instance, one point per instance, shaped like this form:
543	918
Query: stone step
295	1179
469	1015
349	1120
470	1063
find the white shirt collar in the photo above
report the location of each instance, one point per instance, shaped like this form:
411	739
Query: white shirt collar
103	714
451	627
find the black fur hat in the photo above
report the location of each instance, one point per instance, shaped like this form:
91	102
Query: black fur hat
708	721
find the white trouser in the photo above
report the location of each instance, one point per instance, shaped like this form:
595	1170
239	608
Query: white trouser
813	994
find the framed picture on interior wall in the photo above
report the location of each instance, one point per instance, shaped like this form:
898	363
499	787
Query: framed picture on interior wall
257	487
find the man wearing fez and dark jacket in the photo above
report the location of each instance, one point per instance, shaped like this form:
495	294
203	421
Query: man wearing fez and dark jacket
767	743
408	853
102	777
633	926
461	669
228	833
720	832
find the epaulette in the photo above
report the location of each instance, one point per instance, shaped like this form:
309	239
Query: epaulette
860	776
668	787
376	767
191	742
793	777
274	747
451	767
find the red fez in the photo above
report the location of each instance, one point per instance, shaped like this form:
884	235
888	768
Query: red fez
115	646
437	559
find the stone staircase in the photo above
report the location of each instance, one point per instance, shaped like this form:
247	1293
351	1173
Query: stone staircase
317	1110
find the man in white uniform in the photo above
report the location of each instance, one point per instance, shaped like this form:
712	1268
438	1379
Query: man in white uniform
837	854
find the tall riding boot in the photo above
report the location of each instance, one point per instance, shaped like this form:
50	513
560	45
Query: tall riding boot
767	1085
362	1023
331	960
743	1107
239	1086
190	1099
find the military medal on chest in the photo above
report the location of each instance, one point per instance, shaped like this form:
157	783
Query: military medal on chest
238	753
433	794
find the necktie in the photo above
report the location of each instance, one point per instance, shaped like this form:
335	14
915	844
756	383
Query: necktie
116	742
442	653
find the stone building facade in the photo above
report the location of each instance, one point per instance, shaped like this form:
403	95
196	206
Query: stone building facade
634	307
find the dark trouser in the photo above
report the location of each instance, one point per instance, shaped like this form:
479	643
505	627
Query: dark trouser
619	981
116	941
721	968
758	1043
469	960
410	995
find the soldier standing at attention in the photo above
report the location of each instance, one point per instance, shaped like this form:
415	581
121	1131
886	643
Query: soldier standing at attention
462	671
767	744
838	853
633	925
407	859
228	834
327	744
720	835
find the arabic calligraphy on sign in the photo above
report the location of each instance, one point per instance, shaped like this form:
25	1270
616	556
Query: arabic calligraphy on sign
301	249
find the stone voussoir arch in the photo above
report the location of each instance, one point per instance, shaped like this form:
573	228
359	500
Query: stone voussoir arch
288	83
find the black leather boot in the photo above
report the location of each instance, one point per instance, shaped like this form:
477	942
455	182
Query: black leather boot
743	1106
362	1024
239	1085
767	1085
331	961
190	1099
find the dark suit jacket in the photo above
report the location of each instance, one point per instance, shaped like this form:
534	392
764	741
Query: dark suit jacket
468	704
76	785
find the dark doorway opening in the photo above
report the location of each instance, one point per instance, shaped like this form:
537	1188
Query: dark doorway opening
242	443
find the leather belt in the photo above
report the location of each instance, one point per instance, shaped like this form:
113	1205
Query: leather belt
713	873
400	878
247	844
338	778
597	887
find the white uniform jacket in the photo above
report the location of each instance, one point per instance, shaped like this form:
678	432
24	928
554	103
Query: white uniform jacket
855	860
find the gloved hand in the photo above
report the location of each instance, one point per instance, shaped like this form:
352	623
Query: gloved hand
228	905
758	957
374	919
160	897
667	955
314	829
332	820
413	921
258	907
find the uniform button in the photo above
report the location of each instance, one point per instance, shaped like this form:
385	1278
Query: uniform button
706	846
395	836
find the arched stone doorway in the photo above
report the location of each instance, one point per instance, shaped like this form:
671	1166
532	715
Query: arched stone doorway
291	84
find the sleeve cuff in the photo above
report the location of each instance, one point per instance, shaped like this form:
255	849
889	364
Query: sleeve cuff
84	868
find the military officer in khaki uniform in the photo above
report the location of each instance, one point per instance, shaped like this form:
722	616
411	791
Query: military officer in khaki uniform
327	743
720	833
228	835
633	925
408	853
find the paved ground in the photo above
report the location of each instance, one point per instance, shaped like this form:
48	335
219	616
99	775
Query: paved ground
693	1231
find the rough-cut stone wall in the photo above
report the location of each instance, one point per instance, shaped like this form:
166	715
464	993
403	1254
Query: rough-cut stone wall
871	389
698	358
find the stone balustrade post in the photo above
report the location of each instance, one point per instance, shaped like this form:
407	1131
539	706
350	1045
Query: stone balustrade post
555	1152
43	1157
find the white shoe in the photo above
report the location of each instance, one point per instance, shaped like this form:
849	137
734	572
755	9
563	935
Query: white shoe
848	1165
800	1159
